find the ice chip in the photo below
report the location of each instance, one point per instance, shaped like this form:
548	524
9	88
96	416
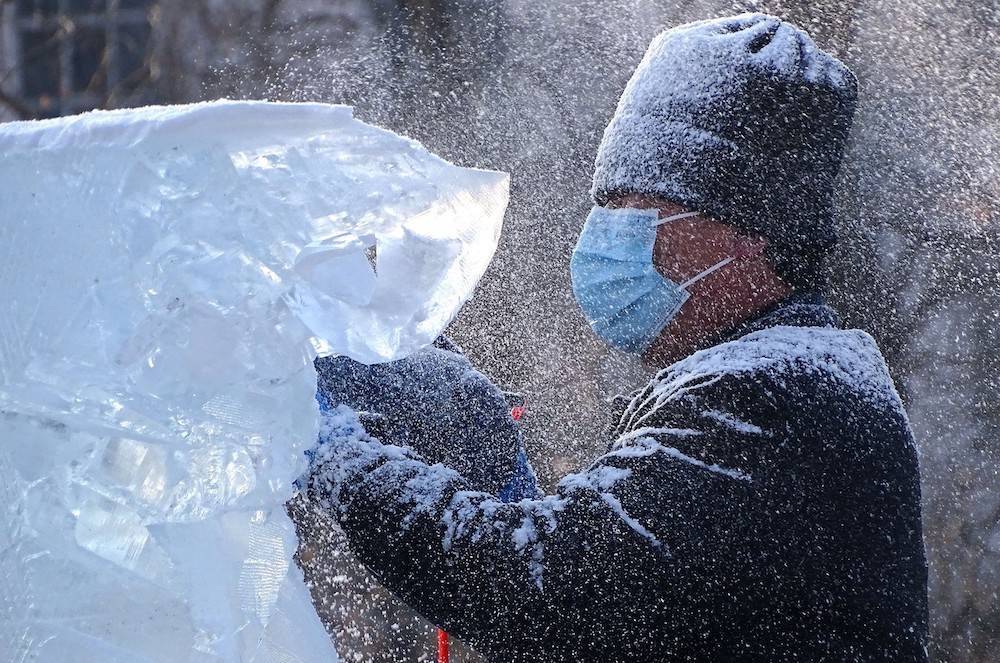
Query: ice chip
168	275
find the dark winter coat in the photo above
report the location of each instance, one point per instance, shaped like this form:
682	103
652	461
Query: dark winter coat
760	501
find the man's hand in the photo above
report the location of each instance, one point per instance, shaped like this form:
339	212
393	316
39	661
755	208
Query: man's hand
434	402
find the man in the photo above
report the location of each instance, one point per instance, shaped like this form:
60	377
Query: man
760	499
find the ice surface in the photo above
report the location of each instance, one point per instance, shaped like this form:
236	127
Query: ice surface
168	274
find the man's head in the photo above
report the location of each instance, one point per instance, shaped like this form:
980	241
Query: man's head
744	120
719	301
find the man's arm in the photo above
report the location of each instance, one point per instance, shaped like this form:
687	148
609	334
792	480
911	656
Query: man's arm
641	525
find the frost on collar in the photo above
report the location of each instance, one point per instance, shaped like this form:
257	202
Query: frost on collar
850	357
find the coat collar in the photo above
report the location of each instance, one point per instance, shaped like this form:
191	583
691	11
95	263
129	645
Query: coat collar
800	309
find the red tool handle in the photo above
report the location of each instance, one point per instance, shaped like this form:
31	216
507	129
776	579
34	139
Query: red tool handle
443	654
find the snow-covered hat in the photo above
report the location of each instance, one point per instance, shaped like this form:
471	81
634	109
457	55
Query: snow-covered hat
743	118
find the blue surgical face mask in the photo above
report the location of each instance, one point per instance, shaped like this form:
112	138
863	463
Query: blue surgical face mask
625	299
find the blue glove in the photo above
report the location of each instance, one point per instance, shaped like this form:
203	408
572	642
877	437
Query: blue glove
439	405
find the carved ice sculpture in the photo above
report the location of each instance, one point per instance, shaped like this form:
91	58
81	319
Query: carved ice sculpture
167	276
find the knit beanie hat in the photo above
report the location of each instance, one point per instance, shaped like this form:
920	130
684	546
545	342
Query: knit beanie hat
742	118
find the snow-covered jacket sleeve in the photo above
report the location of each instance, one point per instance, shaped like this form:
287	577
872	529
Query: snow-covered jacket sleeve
540	573
760	501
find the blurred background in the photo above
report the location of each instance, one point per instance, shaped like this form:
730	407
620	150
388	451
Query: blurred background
527	86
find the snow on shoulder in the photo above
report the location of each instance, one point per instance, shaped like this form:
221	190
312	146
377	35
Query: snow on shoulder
850	357
170	274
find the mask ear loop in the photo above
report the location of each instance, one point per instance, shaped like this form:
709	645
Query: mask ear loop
700	276
675	217
697	277
719	265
